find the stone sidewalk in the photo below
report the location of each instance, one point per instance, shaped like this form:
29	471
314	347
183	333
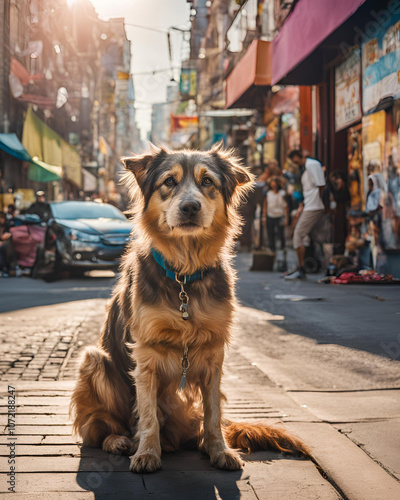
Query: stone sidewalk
41	349
44	343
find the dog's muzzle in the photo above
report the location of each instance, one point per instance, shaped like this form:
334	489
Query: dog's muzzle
189	209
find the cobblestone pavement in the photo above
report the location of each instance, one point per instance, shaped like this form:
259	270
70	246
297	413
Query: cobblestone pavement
45	343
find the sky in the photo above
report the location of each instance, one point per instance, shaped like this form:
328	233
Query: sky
149	48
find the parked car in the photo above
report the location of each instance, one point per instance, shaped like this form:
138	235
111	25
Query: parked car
82	236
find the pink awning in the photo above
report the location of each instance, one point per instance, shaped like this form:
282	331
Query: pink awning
310	23
253	69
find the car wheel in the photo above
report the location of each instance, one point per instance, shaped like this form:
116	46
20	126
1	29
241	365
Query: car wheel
55	273
39	262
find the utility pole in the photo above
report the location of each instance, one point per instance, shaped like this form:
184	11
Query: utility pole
5	63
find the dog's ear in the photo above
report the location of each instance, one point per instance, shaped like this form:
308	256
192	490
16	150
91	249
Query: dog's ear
237	179
139	164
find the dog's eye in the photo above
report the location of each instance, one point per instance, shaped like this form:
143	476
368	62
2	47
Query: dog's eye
207	181
170	182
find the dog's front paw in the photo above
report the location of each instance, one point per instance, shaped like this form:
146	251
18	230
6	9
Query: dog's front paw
227	460
145	463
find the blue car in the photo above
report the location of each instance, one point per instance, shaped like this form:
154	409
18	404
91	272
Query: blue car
84	235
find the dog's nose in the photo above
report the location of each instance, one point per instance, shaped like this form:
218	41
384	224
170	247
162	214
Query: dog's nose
190	208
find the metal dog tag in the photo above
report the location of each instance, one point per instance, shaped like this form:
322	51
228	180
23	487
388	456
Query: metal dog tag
182	384
184	309
185	367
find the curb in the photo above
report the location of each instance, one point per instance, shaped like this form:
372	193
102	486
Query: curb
348	467
354	474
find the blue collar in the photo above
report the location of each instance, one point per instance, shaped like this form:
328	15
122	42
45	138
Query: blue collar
170	273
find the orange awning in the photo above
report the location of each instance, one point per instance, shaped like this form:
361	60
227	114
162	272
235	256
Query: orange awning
253	70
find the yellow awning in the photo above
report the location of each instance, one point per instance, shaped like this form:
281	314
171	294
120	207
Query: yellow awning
49	147
71	161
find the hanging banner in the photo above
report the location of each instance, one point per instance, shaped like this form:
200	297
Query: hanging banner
347	92
381	64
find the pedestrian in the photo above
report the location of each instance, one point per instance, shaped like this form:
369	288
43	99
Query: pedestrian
342	198
8	258
248	212
10	214
274	168
375	202
310	219
276	213
40	207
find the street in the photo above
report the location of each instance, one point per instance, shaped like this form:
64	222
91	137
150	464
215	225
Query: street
321	359
140	142
364	317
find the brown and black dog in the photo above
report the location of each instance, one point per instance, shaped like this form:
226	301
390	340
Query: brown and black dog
153	382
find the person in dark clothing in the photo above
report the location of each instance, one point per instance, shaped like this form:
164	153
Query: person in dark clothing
247	211
8	257
342	198
40	207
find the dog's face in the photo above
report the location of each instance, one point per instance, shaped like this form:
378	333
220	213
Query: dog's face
187	192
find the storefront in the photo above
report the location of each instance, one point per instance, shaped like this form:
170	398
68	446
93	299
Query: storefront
381	133
352	60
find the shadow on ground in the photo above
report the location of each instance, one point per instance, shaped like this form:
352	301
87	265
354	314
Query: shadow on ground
185	475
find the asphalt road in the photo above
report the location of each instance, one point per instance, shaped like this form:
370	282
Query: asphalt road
363	317
20	293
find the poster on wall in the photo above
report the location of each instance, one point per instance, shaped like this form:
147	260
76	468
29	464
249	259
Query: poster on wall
381	175
347	91
355	168
373	142
381	64
392	207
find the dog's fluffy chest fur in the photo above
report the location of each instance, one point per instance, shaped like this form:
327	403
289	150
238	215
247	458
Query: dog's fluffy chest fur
156	325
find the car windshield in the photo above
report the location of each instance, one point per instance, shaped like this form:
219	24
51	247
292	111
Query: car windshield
85	210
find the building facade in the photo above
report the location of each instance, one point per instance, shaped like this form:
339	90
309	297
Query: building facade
66	83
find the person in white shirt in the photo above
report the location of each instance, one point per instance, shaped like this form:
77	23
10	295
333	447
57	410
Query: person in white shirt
311	217
276	212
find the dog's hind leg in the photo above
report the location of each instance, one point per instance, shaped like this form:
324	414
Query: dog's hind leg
101	404
119	445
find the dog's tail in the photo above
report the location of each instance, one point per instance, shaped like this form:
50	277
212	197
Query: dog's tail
256	437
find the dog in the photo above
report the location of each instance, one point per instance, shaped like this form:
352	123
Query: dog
153	382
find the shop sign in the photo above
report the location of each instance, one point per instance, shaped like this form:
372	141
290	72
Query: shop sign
179	122
188	80
347	91
380	62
